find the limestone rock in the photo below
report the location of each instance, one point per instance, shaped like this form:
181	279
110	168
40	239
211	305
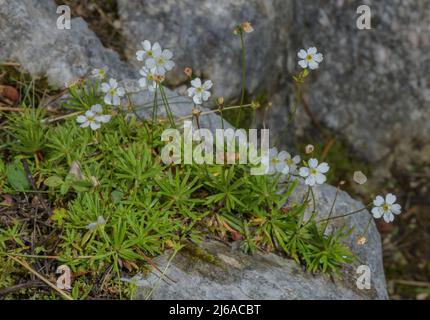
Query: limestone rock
373	86
234	275
200	34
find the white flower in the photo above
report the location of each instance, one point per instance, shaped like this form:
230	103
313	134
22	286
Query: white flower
275	165
161	61
199	92
148	79
99	116
314	172
310	58
113	92
93	118
99	73
386	208
100	221
289	163
149	51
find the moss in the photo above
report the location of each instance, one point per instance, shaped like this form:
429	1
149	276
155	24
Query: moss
198	253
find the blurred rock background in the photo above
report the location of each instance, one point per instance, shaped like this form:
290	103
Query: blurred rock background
367	107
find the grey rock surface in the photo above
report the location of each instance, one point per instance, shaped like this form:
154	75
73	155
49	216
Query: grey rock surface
235	275
200	34
373	86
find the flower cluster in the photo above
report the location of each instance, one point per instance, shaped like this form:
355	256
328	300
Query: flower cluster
282	162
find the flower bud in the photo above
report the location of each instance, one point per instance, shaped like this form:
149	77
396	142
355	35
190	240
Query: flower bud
220	101
247	27
188	72
255	105
309	149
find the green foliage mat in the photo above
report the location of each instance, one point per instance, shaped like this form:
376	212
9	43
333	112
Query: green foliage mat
103	203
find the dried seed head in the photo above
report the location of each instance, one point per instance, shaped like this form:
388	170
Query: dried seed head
309	149
247	27
159	78
188	72
359	177
361	240
196	112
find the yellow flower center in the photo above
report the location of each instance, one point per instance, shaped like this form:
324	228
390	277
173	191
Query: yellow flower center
200	90
149	53
309	57
112	91
314	171
160	60
386	207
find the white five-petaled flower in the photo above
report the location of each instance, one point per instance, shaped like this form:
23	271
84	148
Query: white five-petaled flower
199	92
113	92
314	172
310	58
274	165
149	51
386	208
93	118
289	163
148	80
100	221
99	73
161	61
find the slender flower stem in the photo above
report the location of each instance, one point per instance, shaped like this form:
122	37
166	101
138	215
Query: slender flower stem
368	225
313	200
346	214
154	115
167	106
332	207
